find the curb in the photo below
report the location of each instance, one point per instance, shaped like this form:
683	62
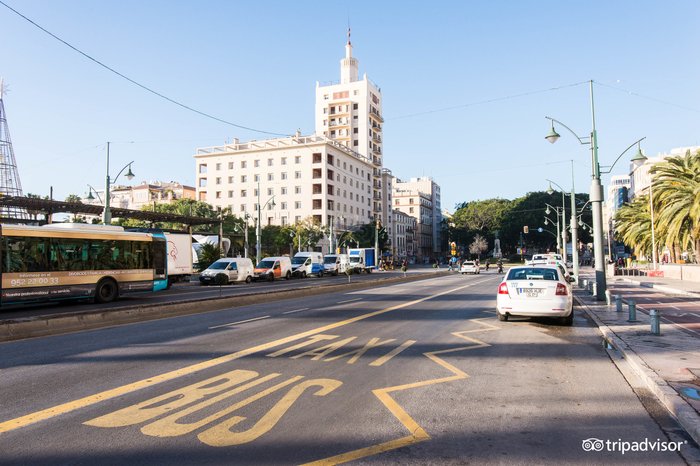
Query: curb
662	288
39	326
685	414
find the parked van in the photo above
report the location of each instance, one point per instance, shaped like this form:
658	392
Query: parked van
227	270
273	267
336	263
307	263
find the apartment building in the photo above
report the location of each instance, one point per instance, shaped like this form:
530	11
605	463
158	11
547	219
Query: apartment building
402	235
420	198
350	113
292	179
144	194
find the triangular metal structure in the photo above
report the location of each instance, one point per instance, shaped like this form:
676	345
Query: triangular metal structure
9	176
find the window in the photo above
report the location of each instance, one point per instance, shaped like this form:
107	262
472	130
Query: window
354	106
297	218
230	180
255	192
218	166
244	193
284	175
230	165
269	162
284	161
317	158
202	182
410	210
270	177
218	194
354	130
270	191
284	190
256	163
284	220
297	205
203	168
242	207
297	189
297	159
256	177
244	178
316	204
244	164
297	175
230	194
283	206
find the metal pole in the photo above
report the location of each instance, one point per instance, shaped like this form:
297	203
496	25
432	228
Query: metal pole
106	213
563	228
221	231
333	240
596	198
574	225
258	232
245	235
376	242
653	238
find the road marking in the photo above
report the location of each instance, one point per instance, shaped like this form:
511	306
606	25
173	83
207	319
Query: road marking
90	400
676	308
349	301
296	310
239	322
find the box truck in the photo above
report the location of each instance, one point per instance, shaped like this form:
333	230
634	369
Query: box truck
362	260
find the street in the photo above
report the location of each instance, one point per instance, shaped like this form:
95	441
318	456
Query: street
408	373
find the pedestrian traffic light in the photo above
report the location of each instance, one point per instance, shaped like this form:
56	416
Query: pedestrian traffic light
526	229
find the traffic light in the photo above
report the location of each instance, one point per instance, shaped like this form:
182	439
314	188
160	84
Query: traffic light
526	229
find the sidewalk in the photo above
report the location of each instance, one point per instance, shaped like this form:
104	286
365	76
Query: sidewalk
669	364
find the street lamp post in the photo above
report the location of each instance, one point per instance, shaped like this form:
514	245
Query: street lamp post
107	212
595	197
563	219
574	232
547	221
258	230
641	158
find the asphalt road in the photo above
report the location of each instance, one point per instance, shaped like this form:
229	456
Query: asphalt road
411	373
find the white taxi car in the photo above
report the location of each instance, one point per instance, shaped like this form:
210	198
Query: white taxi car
535	291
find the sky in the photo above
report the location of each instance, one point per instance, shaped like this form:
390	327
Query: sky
466	85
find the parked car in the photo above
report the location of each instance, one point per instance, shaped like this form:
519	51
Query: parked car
335	263
227	270
469	267
535	291
273	267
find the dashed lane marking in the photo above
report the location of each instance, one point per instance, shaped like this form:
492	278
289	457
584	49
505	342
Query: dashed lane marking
349	301
239	322
296	310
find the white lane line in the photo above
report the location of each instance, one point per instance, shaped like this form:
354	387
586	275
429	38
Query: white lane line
296	310
349	300
677	308
240	322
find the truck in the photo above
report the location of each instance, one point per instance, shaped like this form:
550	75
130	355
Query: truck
362	260
180	256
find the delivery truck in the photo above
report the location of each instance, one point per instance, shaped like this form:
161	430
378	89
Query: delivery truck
362	260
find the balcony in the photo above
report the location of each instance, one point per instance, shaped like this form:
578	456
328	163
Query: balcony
376	138
375	114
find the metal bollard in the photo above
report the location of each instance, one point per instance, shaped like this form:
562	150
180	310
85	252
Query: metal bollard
655	317
607	297
618	303
632	311
594	289
585	284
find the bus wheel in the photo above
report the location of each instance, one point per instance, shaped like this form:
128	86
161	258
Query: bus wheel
106	291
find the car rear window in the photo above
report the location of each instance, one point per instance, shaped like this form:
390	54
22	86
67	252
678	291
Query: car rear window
534	273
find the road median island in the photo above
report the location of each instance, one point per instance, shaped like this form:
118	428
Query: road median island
39	326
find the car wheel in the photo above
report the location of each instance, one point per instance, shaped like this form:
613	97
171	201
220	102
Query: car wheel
568	321
221	279
303	274
288	276
248	279
320	274
502	317
107	291
270	277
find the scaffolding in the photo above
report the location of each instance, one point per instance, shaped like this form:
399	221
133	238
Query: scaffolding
9	176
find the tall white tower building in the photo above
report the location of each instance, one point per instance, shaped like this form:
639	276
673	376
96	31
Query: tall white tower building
350	112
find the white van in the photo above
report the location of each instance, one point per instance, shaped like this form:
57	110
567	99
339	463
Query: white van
227	270
336	263
307	263
273	267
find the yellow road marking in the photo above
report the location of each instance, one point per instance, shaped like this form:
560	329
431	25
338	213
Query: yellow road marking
418	434
80	403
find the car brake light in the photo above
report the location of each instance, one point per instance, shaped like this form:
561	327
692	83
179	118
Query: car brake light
562	290
503	288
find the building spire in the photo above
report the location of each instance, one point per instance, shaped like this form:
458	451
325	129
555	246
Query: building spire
348	65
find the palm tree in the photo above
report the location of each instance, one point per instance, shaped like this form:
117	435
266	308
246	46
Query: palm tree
633	225
676	184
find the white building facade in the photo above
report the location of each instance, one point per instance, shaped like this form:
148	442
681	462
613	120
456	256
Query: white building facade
423	196
292	179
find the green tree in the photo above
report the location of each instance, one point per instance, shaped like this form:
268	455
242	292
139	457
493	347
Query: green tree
76	217
365	236
633	225
208	254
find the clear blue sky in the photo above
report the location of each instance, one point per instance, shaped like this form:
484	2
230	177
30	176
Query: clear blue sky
256	64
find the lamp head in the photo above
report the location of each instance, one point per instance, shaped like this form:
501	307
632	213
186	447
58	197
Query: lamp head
90	197
546	222
553	136
638	157
547	211
550	190
272	204
129	175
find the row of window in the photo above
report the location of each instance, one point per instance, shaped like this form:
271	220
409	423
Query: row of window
203	167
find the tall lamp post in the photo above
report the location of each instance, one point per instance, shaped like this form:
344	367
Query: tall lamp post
574	233
547	221
107	212
258	230
563	227
639	160
596	196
